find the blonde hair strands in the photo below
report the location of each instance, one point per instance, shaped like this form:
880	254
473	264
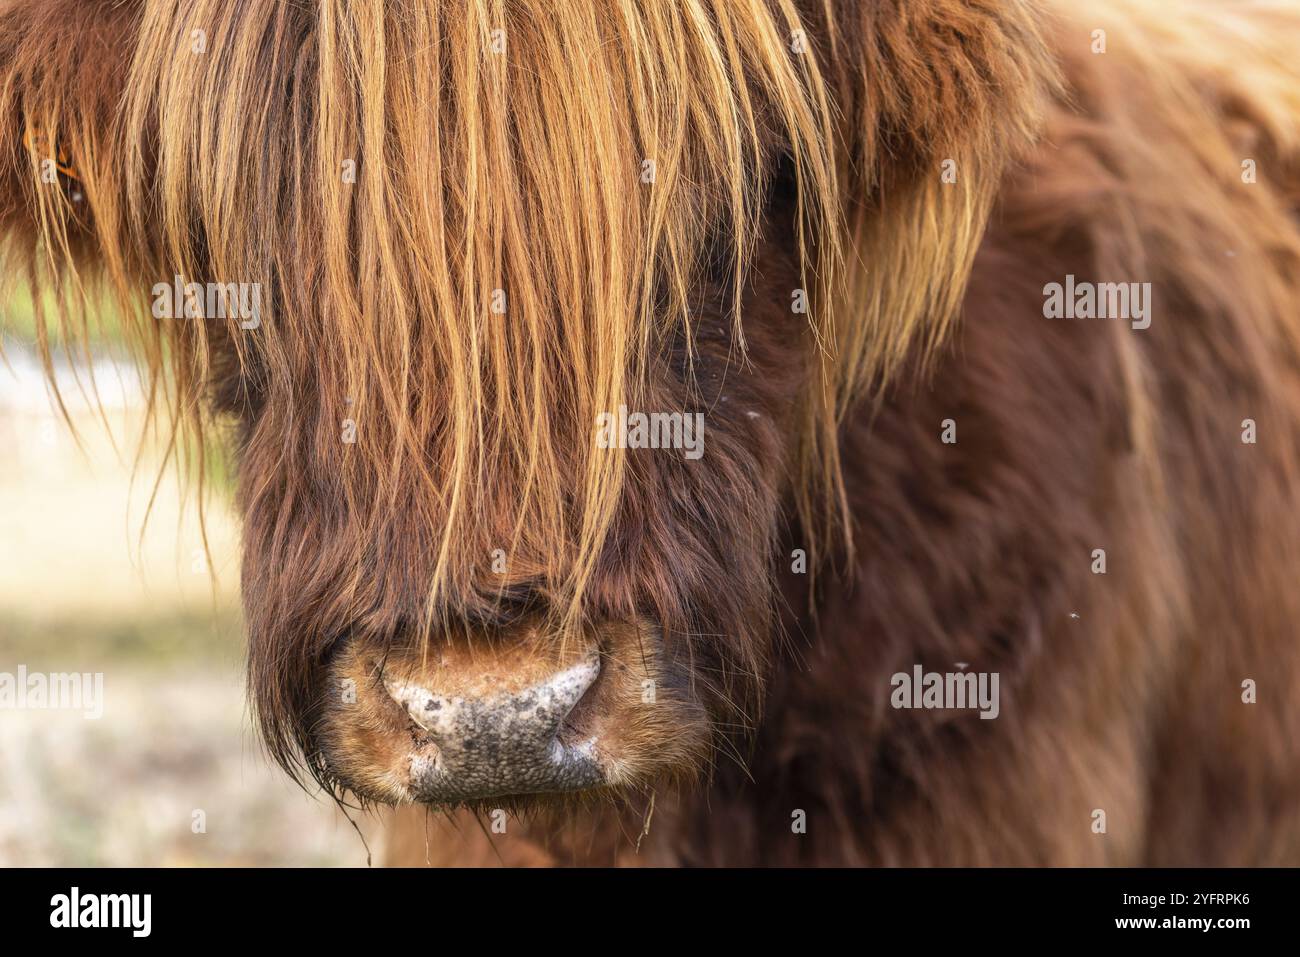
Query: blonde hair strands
500	147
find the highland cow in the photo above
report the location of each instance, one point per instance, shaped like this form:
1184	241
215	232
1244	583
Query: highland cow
830	229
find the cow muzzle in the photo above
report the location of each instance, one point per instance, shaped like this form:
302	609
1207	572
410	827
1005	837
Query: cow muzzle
514	714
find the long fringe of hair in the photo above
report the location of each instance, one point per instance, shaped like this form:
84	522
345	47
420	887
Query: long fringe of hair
536	185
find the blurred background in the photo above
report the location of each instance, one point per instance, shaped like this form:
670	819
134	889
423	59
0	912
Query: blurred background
87	585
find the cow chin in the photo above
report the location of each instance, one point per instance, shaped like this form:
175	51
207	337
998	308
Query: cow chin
515	718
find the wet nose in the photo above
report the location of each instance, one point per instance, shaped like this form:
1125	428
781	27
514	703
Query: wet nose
499	735
508	713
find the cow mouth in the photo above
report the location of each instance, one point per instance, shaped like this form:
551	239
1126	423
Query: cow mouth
470	722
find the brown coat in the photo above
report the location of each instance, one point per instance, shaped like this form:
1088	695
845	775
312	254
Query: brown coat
649	193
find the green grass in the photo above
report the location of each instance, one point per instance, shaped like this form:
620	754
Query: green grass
19	318
212	634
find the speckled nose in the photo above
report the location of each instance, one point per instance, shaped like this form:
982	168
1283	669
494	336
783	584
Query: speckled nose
497	740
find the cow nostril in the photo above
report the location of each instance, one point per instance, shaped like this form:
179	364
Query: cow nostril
498	734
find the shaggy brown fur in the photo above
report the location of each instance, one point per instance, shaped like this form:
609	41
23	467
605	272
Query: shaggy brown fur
796	146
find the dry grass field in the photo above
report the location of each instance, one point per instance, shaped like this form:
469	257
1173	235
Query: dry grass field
84	589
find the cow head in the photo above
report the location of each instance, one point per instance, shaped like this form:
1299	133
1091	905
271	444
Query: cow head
531	327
